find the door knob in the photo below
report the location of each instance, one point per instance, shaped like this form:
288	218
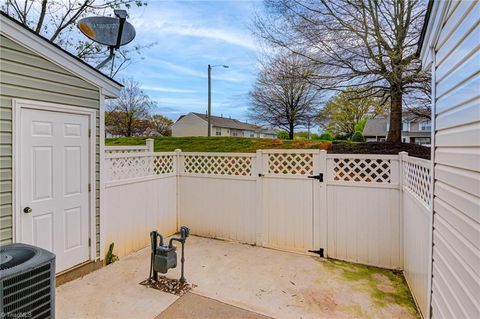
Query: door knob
27	210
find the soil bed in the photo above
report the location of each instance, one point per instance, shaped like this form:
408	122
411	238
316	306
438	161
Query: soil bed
381	148
171	286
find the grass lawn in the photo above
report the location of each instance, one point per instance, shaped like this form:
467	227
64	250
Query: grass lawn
218	144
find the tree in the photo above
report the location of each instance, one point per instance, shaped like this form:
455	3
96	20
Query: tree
283	95
162	124
56	21
354	43
129	114
345	111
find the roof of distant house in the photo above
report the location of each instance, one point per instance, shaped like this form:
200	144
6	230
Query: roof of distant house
375	127
227	122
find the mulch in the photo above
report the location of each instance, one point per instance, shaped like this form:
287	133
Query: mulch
381	148
171	286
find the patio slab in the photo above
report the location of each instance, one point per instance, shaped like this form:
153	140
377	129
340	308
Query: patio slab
195	306
264	281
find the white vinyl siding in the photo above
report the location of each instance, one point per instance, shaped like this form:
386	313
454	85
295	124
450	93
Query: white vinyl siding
456	234
26	75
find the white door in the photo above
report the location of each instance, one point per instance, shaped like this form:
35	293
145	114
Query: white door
54	184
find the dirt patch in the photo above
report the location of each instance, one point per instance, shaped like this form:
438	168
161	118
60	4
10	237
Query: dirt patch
171	286
380	148
195	306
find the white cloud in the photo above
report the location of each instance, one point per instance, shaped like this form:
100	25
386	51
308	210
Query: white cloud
167	89
230	37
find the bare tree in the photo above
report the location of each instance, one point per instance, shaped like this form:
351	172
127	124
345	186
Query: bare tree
284	96
354	43
56	21
130	113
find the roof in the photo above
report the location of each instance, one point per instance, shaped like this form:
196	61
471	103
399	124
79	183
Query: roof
225	122
375	127
20	33
425	26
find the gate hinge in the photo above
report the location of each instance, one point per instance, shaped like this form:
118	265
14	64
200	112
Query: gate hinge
89	187
89	132
318	252
89	242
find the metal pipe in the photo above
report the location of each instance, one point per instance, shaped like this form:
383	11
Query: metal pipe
209	112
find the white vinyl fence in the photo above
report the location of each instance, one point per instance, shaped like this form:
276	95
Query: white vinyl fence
370	209
417	212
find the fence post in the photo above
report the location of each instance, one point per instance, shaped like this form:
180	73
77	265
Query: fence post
401	157
150	142
257	173
178	168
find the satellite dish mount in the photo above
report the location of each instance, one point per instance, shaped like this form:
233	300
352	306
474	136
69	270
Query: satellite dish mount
109	31
122	16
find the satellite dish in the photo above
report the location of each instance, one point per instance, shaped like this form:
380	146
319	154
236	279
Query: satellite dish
108	31
104	30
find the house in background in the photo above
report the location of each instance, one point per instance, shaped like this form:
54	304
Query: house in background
413	130
196	124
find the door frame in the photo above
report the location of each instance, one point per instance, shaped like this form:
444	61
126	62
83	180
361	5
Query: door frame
17	106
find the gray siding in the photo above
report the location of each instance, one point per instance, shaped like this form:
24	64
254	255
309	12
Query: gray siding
456	234
25	75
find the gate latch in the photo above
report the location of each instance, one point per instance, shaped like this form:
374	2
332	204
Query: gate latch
319	177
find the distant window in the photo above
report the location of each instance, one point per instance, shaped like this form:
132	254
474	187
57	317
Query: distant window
426	126
405	126
422	140
218	131
252	134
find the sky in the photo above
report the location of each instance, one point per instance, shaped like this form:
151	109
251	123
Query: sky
187	36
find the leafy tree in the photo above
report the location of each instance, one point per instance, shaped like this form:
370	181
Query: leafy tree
162	124
346	110
282	135
283	95
326	136
360	126
129	114
56	21
358	137
354	43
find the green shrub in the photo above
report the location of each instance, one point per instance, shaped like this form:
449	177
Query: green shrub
283	135
358	137
327	136
314	136
110	258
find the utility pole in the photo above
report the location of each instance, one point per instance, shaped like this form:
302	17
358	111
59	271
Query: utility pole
209	113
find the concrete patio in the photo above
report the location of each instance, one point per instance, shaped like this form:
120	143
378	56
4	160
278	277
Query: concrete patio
242	281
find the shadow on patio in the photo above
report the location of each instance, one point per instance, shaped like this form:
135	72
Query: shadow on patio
259	280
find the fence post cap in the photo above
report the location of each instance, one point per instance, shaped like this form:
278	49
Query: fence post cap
177	150
403	153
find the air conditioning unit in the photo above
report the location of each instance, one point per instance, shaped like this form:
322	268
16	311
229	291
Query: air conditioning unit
27	282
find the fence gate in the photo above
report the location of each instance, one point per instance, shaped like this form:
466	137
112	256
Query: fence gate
293	195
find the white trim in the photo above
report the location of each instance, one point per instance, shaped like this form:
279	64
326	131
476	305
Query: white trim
102	177
40	46
439	9
17	106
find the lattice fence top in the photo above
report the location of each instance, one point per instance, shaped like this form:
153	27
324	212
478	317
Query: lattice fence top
417	180
227	165
367	170
124	151
138	165
290	163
